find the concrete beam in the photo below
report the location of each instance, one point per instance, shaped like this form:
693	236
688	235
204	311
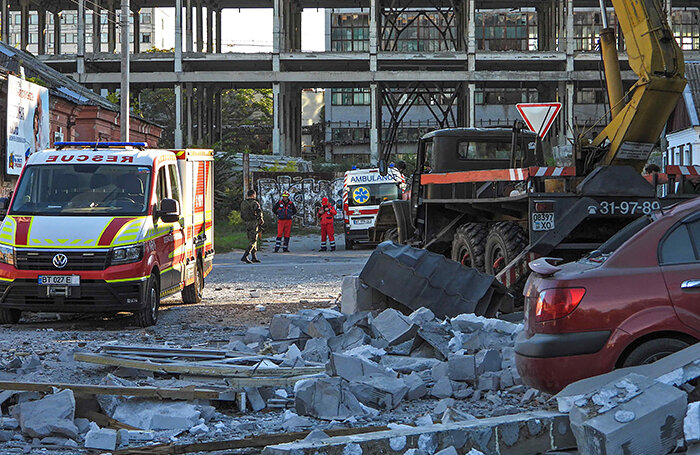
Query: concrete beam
535	432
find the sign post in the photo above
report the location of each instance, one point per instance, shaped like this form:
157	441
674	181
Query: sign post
539	117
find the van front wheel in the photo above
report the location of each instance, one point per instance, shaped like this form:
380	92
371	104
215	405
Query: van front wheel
148	316
9	316
194	292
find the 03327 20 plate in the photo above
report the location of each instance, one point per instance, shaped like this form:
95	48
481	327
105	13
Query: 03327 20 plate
59	280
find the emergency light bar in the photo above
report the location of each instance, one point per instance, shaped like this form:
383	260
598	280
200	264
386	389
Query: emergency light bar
138	145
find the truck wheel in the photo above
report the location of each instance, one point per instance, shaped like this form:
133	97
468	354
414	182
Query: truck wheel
194	292
148	316
468	245
349	244
503	244
652	350
9	316
391	235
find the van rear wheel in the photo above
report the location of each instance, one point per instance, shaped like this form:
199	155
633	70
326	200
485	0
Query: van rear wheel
148	316
9	316
194	292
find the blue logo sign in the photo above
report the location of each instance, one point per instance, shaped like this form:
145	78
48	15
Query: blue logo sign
360	195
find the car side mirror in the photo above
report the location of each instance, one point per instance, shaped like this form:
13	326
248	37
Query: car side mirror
169	210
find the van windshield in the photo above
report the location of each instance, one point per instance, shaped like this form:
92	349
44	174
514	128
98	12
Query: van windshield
82	189
374	194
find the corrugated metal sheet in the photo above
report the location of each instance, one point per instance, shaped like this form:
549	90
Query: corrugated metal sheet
418	278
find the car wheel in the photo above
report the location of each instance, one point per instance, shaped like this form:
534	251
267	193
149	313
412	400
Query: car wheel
653	350
468	245
503	244
194	292
9	316
148	316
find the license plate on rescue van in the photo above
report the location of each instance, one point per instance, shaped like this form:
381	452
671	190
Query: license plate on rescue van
59	280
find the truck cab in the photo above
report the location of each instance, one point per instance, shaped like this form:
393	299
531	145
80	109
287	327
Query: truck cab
107	228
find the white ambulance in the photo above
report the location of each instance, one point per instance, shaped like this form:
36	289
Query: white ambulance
363	191
106	228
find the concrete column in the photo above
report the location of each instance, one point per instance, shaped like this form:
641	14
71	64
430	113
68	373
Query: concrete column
668	6
570	97
294	121
220	115
24	30
56	32
374	33
277	125
278	44
210	30
178	69
200	116
188	26
111	27
188	98
42	30
80	58
96	27
295	32
471	41
218	31
570	42
5	21
472	105
137	31
375	129
200	27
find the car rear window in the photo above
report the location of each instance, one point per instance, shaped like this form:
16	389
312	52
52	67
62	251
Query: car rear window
624	234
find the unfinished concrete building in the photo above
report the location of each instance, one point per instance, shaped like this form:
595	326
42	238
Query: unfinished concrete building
463	62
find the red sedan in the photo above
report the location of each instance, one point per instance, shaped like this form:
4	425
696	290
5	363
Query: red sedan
631	302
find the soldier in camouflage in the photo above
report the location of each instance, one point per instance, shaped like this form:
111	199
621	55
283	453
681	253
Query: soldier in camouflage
252	215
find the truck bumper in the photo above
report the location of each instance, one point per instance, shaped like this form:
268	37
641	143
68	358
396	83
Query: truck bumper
357	235
92	296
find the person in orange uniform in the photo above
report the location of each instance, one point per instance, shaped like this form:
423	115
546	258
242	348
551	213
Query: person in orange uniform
326	213
285	211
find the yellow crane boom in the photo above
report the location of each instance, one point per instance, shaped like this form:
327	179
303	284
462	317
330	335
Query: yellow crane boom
654	55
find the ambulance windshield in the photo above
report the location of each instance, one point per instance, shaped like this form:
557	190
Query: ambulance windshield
83	189
372	194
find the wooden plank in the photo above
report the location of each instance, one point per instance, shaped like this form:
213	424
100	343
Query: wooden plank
159	350
185	393
245	443
194	369
106	422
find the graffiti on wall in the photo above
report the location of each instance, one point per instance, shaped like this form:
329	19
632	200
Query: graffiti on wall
305	189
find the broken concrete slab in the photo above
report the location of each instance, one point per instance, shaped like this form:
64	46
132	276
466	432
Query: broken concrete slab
356	296
256	335
316	327
535	432
442	388
472	323
351	339
101	438
461	367
691	424
294	422
127	437
379	391
676	369
422	316
157	415
335	318
437	336
327	399
393	327
406	365
635	414
279	326
363	320
448	451
416	386
367	352
488	381
353	368
488	360
316	350
50	416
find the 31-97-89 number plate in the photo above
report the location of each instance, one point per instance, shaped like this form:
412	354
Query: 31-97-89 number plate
625	208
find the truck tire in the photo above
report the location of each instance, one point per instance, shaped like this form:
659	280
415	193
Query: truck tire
193	293
148	316
391	235
468	245
9	316
652	350
349	244
504	243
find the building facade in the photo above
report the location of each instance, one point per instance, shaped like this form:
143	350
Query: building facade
514	33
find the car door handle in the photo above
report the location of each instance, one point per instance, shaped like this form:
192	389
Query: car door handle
690	284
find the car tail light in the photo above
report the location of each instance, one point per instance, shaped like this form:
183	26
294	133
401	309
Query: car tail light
557	303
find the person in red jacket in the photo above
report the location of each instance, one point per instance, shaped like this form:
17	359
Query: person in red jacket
326	213
285	211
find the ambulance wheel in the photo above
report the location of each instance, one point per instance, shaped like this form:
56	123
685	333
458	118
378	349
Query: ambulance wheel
468	245
148	316
349	244
503	244
193	293
9	316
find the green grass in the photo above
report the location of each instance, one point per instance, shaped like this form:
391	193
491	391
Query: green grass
228	238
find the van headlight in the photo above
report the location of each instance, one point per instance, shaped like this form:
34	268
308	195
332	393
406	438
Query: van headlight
127	254
7	254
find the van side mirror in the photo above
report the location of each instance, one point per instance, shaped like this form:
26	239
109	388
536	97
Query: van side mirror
169	210
4	205
383	169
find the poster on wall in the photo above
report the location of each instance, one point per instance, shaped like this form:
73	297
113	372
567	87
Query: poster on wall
27	122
